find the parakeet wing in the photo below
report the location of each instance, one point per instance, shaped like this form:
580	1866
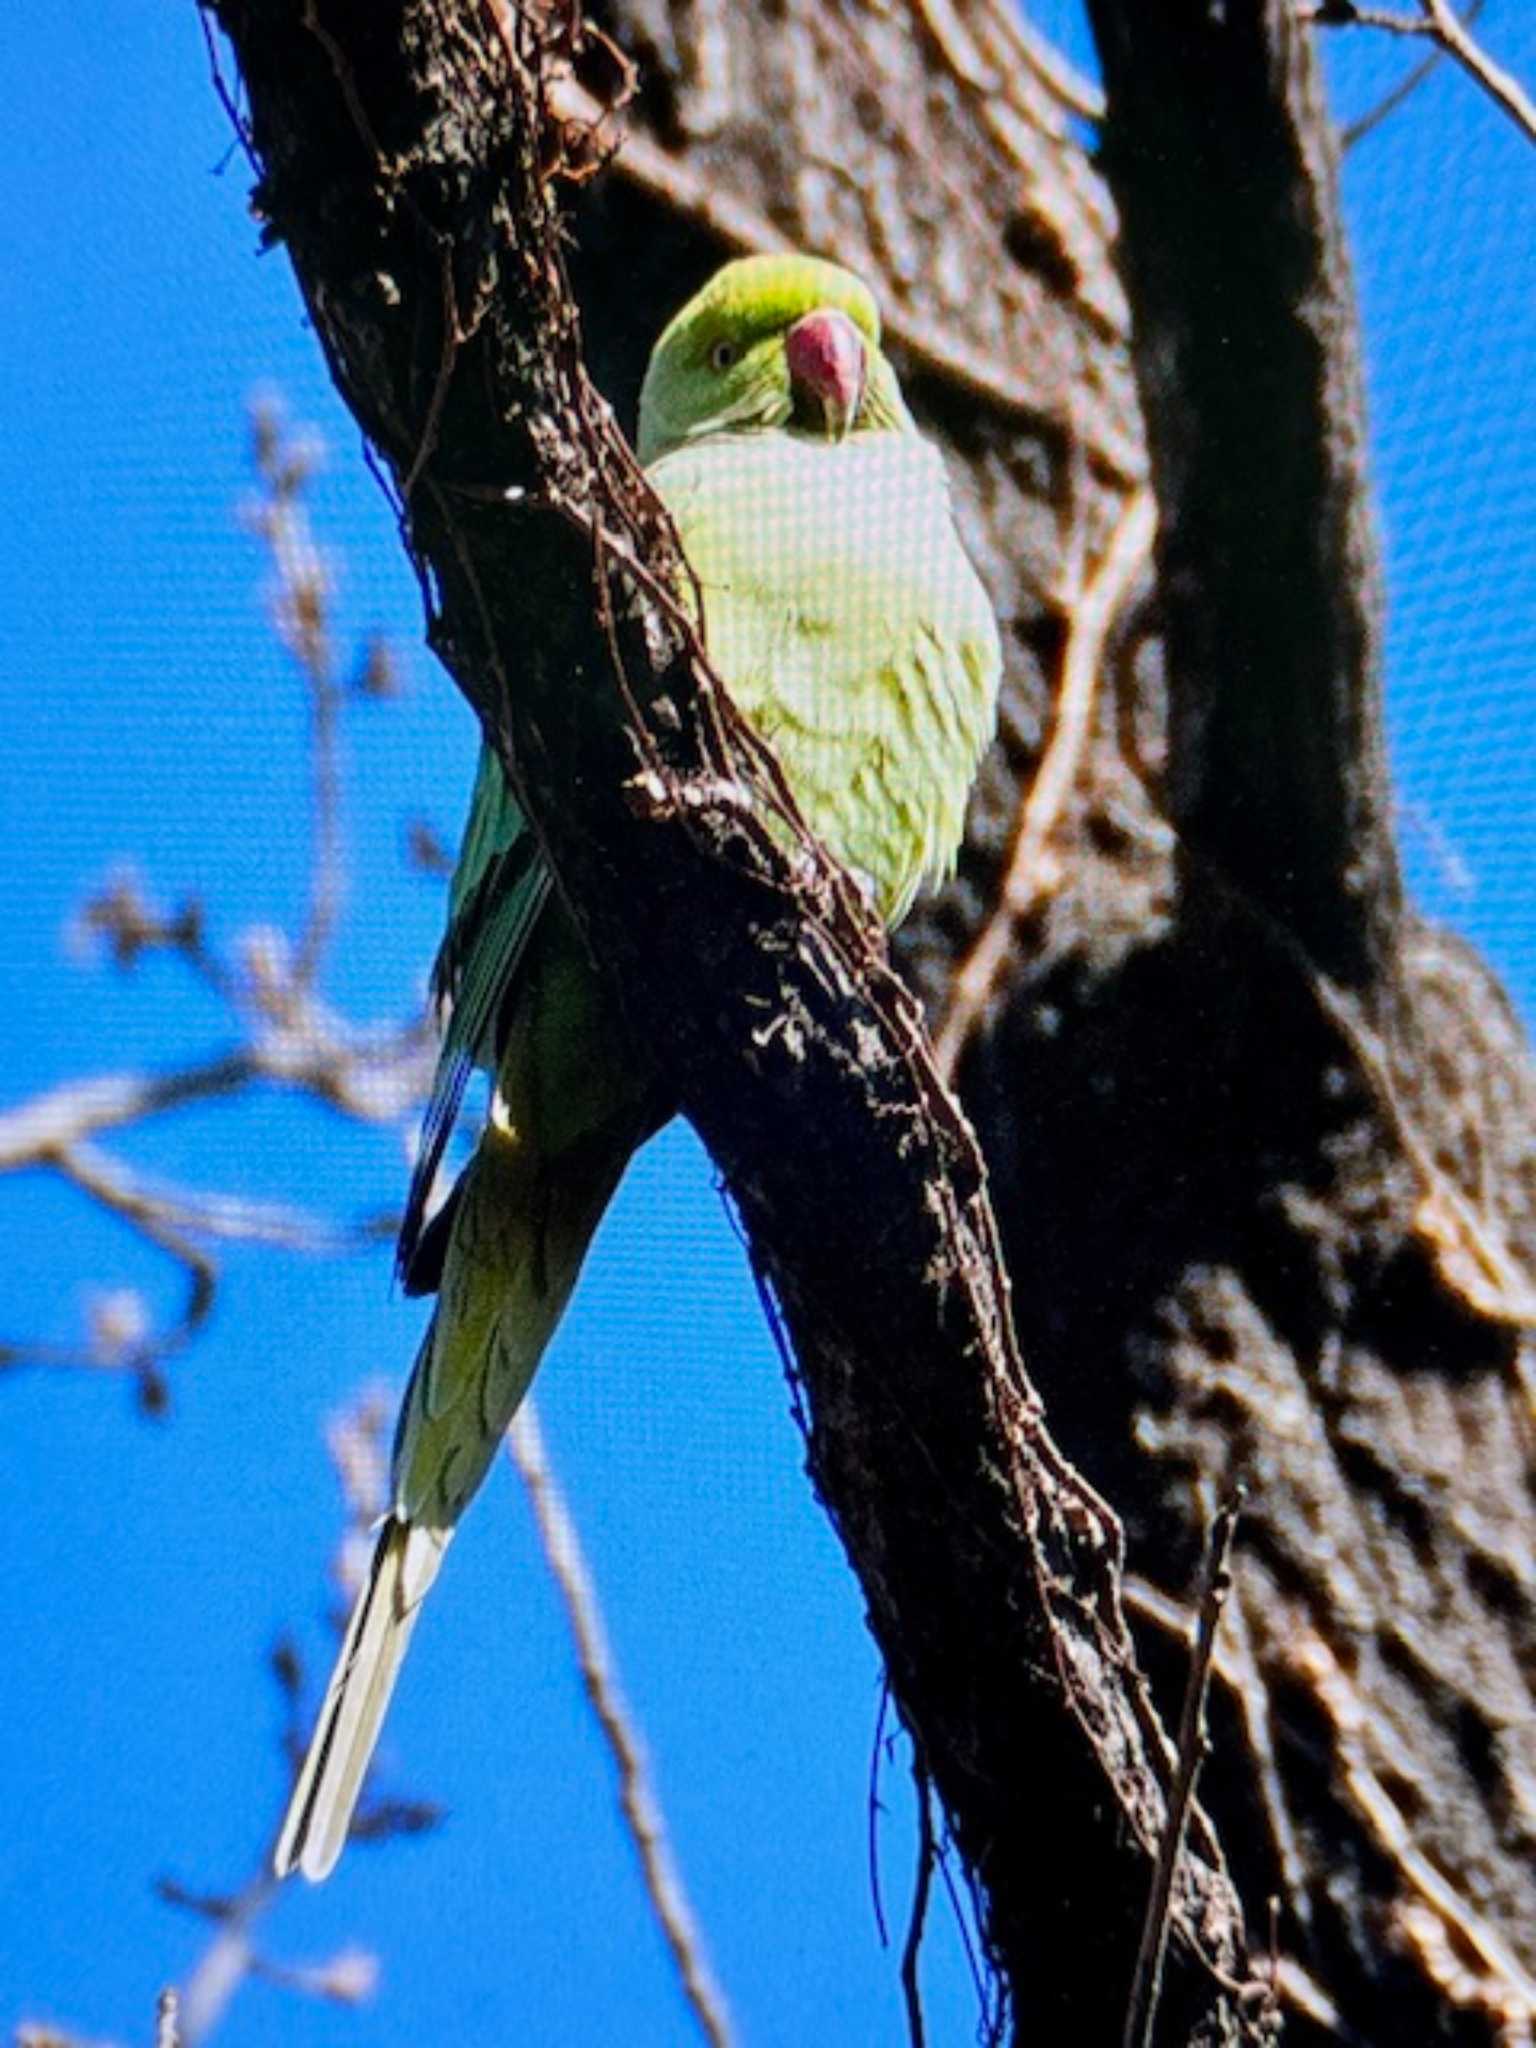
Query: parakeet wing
500	886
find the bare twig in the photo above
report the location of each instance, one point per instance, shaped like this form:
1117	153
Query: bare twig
168	2032
989	2001
227	96
189	2015
637	1795
1368	122
873	1812
927	1855
1033	869
160	1206
121	1337
1439	23
301	607
357	1439
372	1076
34	1132
226	1962
1499	84
286	1036
347	1978
1146	1984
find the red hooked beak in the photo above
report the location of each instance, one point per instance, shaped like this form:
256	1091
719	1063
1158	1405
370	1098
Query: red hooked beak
827	367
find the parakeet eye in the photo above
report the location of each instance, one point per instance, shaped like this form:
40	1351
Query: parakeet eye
723	355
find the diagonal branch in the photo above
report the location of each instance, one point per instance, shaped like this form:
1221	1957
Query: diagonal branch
1501	86
1438	22
372	1075
1033	869
641	1808
1368	122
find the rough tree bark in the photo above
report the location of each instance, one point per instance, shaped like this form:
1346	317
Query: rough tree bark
1261	1145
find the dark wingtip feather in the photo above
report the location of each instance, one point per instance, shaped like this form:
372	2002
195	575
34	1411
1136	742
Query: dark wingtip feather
420	1267
437	1127
475	970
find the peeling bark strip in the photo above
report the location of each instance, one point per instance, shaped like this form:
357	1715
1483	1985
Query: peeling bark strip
406	162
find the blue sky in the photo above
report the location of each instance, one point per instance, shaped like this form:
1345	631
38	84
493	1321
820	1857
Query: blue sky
149	718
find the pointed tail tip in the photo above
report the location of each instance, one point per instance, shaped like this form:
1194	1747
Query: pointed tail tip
309	1858
330	1781
304	1845
299	1850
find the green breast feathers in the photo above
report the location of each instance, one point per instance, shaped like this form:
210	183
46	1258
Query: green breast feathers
849	627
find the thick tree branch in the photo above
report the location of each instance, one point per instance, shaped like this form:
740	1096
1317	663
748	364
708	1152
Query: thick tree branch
1248	366
1265	1138
409	167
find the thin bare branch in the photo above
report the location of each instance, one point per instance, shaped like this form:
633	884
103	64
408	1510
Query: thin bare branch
1146	1984
54	1133
357	1439
1439	22
302	602
349	1977
637	1794
1033	870
927	1856
1501	86
286	1036
34	1132
225	1963
168	2032
873	1810
1368	122
160	1205
188	2015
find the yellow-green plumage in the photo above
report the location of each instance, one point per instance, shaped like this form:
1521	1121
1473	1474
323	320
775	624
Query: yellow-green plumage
851	631
841	612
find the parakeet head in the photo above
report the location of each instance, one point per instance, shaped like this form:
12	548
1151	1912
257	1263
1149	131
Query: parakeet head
771	341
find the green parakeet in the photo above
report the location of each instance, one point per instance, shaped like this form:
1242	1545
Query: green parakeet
842	613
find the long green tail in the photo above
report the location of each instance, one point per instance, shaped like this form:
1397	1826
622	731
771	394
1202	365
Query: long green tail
571	1107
